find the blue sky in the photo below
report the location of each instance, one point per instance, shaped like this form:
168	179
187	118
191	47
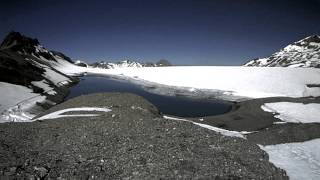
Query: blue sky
186	32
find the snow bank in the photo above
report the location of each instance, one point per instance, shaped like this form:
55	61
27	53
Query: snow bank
299	160
58	114
294	112
11	94
16	101
219	130
252	82
43	84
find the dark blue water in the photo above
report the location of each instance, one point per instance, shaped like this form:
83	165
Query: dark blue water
171	105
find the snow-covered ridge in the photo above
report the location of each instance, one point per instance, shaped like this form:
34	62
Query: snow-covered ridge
303	53
121	64
129	63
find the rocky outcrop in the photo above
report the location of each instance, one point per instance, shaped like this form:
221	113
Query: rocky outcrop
303	53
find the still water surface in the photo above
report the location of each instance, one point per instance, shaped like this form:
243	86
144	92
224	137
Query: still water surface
171	105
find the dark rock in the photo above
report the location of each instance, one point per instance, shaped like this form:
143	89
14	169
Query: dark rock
17	41
16	70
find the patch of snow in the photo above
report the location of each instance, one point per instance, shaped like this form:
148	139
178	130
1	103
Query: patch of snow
12	94
294	112
81	63
299	160
58	114
219	130
45	86
16	102
15	115
63	66
55	77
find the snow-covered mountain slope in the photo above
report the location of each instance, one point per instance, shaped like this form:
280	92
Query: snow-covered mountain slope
26	64
129	63
31	51
303	53
23	61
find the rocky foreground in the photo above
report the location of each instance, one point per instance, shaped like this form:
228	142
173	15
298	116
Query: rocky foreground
132	141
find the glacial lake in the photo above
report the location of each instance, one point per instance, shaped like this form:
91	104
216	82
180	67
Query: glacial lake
171	105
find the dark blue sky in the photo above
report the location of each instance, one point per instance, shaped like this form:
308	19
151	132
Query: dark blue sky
199	32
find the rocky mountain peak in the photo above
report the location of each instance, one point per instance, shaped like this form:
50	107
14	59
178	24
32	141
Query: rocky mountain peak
303	53
310	42
309	39
22	44
17	41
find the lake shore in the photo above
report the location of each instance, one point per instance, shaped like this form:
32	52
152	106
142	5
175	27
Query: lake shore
131	141
54	148
249	116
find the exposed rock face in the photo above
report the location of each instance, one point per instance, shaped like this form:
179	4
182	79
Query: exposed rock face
16	70
303	53
23	60
132	141
26	59
17	42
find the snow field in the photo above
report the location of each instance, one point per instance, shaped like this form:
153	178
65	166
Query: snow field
294	112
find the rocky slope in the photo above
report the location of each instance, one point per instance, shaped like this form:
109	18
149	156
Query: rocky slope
132	141
303	53
129	63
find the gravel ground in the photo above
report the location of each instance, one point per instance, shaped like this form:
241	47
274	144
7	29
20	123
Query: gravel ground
132	141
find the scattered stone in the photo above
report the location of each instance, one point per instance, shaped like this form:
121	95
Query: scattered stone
137	145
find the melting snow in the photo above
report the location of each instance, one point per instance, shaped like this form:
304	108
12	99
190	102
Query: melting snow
299	160
219	130
294	112
58	114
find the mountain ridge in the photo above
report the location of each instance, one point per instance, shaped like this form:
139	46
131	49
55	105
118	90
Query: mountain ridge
130	63
26	65
302	53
